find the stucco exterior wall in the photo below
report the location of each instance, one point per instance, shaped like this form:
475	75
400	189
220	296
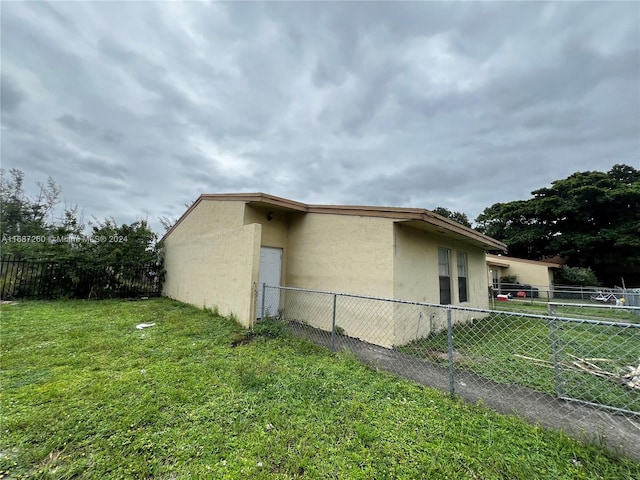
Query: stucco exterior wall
341	253
415	270
529	272
212	260
416	278
275	232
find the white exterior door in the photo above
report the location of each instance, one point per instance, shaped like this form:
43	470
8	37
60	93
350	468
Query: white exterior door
270	270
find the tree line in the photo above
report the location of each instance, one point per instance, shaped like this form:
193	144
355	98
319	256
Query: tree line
590	218
114	258
31	230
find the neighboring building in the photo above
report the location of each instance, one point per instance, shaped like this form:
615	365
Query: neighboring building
225	246
528	272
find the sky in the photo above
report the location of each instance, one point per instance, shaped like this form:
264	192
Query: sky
136	108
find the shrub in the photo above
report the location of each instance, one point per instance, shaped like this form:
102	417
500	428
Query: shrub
582	276
269	328
509	279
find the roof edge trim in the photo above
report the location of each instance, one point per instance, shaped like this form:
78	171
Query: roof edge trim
398	213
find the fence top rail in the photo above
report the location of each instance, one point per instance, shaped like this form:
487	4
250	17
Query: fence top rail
593	305
607	323
465	309
75	262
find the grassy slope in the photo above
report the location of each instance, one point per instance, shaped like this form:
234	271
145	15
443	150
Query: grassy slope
85	393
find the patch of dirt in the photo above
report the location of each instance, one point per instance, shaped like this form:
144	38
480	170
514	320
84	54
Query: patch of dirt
457	356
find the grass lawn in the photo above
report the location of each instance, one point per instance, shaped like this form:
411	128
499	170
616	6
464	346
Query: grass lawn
87	395
572	309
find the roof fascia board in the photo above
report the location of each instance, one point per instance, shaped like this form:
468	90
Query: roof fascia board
240	197
493	263
521	260
396	213
258	198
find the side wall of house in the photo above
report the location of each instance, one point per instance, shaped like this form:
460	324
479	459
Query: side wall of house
417	279
530	273
341	253
212	260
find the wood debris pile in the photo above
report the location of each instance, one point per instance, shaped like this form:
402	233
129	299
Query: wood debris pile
632	379
628	376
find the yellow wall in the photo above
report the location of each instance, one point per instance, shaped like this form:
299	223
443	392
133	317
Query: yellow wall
415	265
416	278
212	260
528	272
274	232
341	253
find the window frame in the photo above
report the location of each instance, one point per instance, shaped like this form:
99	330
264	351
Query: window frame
462	263
444	276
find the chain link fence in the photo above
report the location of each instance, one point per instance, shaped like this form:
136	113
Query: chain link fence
568	293
584	354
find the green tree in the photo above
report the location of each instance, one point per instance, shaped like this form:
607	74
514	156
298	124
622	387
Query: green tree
19	214
591	217
65	238
459	217
125	244
100	259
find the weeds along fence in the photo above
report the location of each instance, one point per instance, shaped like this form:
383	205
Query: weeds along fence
33	279
591	361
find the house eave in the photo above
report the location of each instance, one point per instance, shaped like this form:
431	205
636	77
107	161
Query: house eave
416	217
503	261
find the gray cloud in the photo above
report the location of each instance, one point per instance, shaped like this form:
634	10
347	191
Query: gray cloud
139	107
76	125
11	95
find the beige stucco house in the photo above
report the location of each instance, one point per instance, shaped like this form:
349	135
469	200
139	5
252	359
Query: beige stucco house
529	272
225	246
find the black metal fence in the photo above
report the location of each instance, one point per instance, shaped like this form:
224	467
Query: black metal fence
40	279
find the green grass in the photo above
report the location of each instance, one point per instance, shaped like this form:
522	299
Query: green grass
516	350
584	310
86	395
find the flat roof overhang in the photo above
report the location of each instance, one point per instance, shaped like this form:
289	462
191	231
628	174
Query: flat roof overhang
455	232
418	218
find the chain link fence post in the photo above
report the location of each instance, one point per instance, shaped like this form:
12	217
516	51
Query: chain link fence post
555	351
333	323
450	350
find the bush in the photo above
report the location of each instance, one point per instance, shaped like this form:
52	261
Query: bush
582	276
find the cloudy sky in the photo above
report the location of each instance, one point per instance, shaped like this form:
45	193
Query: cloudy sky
135	108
